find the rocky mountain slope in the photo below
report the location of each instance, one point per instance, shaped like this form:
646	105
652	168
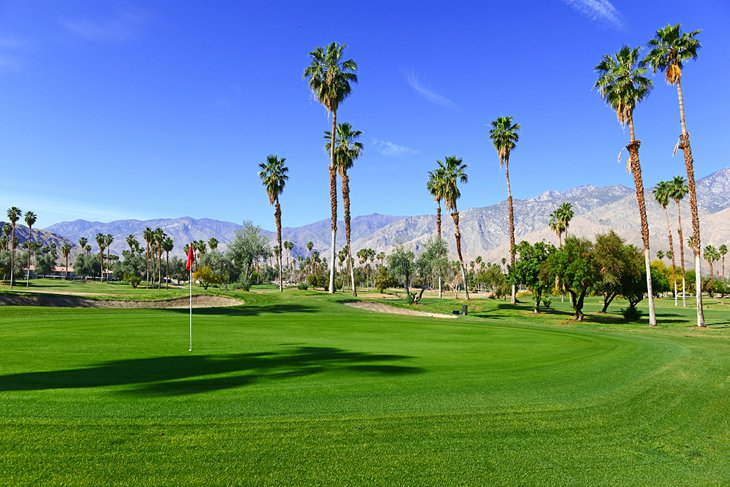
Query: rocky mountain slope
484	230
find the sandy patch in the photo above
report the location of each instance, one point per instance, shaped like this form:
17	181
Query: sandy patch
384	308
78	302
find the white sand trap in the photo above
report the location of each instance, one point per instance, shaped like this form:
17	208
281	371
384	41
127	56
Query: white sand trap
384	308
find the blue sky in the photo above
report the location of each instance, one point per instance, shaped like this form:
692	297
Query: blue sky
112	110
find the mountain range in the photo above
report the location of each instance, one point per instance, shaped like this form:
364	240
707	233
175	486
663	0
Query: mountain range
484	230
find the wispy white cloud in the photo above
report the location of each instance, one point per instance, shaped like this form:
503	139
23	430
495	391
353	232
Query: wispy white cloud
391	149
119	28
428	93
601	11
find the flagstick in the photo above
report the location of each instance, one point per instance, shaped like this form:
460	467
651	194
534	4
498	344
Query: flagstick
191	309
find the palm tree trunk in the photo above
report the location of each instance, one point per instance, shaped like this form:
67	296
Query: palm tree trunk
277	216
671	249
438	233
510	212
681	254
12	256
30	250
346	204
689	164
167	270
333	202
633	148
455	217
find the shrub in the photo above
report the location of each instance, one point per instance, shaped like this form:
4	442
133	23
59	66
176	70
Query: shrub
546	302
631	313
133	280
303	286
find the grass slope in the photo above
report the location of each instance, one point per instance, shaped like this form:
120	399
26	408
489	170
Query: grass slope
299	389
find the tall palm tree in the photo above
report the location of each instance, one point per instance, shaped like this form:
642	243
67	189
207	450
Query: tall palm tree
82	243
65	251
621	82
147	235
167	246
329	78
100	241
669	49
14	214
159	239
565	213
504	136
273	176
108	239
678	190
454	172
435	185
7	229
30	219
557	225
347	150
711	255
288	246
132	243
723	250
662	194
213	243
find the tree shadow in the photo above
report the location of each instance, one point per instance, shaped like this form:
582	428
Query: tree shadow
247	310
192	374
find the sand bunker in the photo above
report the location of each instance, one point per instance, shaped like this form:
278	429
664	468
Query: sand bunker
61	301
384	308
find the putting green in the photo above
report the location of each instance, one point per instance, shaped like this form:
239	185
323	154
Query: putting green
301	389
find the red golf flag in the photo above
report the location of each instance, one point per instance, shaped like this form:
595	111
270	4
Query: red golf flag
191	258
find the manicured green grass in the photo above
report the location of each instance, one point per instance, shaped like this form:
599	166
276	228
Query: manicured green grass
300	389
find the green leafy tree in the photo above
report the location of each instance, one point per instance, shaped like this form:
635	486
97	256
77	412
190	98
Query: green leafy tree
532	269
669	50
504	136
623	85
273	176
578	270
431	264
401	264
454	171
329	77
247	248
347	150
620	265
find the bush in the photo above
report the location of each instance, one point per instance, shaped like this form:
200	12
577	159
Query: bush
303	286
631	313
546	302
245	283
133	280
312	281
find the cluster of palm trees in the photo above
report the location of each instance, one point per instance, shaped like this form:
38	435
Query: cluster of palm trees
157	242
623	83
10	242
560	221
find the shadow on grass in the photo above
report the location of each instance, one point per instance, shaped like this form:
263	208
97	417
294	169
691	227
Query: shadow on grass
193	374
248	310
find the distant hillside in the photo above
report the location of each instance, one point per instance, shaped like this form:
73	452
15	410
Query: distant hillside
484	230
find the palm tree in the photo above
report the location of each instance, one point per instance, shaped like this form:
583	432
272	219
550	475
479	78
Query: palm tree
557	225
347	150
329	78
159	239
670	48
147	235
133	244
273	176
30	219
435	185
167	246
213	243
100	240
565	213
65	251
82	243
711	255
723	250
503	135
621	82
288	246
14	214
678	190
455	172
7	229
662	194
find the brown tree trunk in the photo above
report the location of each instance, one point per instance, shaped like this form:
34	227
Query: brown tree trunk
277	217
511	214
671	249
438	233
12	256
333	202
633	148
689	164
681	254
346	205
455	217
30	250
